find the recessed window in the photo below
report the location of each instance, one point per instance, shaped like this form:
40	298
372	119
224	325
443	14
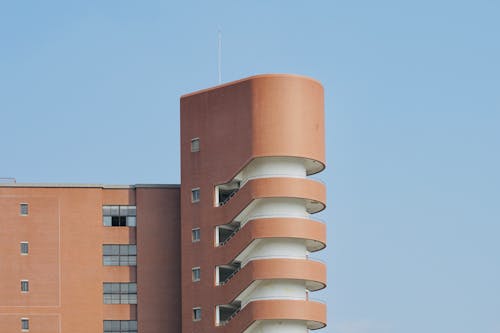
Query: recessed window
196	314
196	274
24	248
120	326
25	324
119	216
120	292
23	209
195	235
25	286
119	255
195	194
195	145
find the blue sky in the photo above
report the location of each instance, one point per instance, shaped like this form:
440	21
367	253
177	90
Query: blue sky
89	92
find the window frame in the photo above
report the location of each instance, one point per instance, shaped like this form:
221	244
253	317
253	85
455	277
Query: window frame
195	195
197	313
27	322
119	216
119	255
195	232
196	274
195	145
21	210
110	329
25	283
116	292
27	248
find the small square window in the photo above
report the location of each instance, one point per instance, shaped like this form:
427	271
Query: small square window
24	248
196	314
195	145
196	274
25	287
195	194
195	235
23	209
25	324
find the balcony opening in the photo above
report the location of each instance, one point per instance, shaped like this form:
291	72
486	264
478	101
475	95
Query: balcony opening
226	312
225	232
224	192
226	272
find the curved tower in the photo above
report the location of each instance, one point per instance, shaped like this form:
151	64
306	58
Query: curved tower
247	149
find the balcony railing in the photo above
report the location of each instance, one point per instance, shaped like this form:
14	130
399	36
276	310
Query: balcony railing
235	231
228	319
226	280
226	199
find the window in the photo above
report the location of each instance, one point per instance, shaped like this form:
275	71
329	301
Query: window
25	286
120	292
24	248
195	194
196	314
119	255
196	274
25	324
120	326
119	216
195	145
195	235
23	209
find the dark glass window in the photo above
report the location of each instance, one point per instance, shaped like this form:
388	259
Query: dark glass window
120	292
24	247
119	255
25	324
23	209
120	326
119	216
25	286
195	235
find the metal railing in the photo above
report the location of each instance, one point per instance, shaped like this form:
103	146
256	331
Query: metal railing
230	276
235	231
225	322
225	201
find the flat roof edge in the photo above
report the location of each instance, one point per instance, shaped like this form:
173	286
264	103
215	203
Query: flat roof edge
77	185
249	78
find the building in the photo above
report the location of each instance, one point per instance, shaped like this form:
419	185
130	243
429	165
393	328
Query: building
224	251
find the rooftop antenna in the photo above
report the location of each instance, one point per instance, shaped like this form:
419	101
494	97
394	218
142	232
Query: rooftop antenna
219	57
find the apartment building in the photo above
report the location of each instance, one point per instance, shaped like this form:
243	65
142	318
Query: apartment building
227	250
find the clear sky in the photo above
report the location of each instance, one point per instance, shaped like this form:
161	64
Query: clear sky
89	92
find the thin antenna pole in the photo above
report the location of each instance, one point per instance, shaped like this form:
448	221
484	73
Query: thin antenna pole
219	58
